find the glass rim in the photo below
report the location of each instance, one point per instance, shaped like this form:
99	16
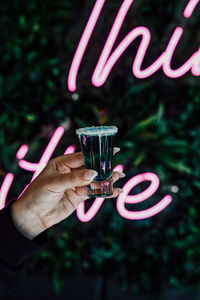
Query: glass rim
97	130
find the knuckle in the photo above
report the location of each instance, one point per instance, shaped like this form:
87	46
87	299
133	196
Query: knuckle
61	167
52	161
81	191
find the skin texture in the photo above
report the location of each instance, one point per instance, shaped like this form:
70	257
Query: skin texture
55	194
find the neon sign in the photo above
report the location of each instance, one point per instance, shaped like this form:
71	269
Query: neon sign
107	60
83	216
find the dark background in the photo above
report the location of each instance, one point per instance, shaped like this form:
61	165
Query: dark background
159	131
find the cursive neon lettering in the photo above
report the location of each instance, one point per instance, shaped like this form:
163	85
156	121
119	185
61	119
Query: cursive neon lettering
21	153
125	198
38	167
5	187
83	44
190	8
104	66
70	149
193	63
89	215
107	60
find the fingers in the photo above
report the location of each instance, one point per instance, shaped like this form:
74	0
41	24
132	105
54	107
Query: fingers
116	150
117	175
59	183
79	194
70	166
116	192
64	163
82	190
74	199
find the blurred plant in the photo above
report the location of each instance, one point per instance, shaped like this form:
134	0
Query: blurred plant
159	131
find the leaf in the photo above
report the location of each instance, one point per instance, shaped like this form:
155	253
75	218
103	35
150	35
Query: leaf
31	55
193	251
53	61
30	118
175	143
57	282
140	158
152	120
22	21
127	144
192	212
81	123
138	88
95	111
50	84
148	135
145	123
160	112
177	165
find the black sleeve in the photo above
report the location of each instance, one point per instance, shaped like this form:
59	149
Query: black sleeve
15	249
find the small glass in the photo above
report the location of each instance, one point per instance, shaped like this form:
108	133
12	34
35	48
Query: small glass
97	145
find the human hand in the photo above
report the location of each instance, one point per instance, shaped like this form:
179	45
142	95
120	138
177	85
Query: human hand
55	194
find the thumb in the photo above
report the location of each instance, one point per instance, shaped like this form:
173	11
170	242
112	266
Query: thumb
62	182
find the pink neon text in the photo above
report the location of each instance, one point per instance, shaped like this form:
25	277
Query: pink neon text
83	216
107	60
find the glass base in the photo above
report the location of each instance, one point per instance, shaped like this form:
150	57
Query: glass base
100	189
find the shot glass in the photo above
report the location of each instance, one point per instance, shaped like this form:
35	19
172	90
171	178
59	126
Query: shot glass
97	144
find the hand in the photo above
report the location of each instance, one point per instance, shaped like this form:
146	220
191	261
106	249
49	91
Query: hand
55	194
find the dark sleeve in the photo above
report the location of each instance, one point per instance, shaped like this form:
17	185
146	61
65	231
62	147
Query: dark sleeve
15	249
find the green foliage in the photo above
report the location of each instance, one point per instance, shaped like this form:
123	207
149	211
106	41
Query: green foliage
159	131
57	282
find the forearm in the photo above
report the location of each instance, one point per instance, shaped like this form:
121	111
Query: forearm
26	222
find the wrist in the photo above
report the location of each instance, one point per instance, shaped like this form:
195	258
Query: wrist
27	223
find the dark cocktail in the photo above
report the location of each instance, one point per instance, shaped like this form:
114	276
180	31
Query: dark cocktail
97	143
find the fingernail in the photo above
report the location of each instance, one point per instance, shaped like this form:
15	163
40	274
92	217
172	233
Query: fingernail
90	174
121	174
120	190
116	149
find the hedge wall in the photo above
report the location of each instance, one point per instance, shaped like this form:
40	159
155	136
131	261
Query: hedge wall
159	131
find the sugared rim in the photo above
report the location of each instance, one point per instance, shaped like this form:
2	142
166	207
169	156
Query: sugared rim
97	130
